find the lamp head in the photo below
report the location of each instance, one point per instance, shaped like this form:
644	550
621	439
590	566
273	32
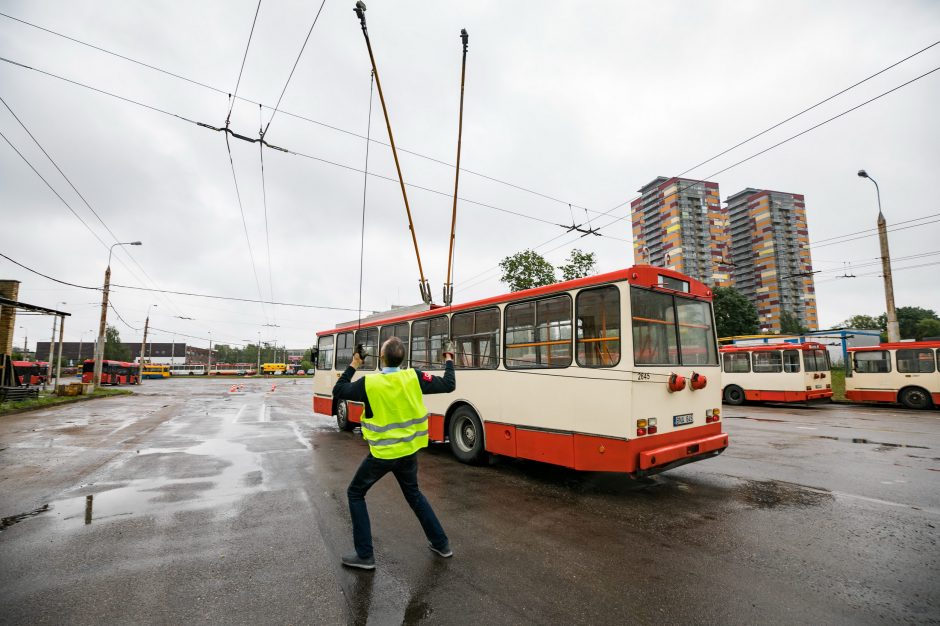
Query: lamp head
862	174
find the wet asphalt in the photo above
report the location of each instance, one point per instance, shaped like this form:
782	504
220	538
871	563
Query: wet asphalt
189	503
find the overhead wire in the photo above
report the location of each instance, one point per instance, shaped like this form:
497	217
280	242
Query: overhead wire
84	200
267	236
242	68
291	114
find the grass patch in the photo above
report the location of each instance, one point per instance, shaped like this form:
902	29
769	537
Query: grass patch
49	399
838	384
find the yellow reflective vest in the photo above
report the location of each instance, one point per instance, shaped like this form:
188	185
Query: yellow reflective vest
399	423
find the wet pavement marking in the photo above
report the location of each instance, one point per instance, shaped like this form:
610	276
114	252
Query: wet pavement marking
873	443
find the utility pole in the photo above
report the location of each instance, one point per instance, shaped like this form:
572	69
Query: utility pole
58	366
894	330
143	343
209	357
51	354
99	347
258	369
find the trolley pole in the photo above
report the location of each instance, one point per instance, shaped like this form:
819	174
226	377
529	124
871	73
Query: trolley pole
423	285
449	286
894	329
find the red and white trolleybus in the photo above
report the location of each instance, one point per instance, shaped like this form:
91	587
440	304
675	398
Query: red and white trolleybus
617	372
905	372
776	372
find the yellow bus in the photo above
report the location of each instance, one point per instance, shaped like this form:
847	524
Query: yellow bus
273	368
153	370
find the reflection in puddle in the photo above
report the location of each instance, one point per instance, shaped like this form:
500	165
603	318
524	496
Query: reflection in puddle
874	443
769	494
89	499
13	519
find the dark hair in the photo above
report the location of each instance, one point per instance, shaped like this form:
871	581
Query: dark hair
394	351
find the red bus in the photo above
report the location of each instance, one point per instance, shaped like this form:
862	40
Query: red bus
112	372
906	372
30	372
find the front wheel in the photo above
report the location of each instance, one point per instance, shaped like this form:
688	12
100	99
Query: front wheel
466	436
734	395
342	415
915	398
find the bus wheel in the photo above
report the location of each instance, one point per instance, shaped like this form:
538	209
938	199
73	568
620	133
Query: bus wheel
733	395
915	398
342	416
466	436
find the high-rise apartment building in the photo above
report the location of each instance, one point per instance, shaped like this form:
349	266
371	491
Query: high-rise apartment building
679	223
770	256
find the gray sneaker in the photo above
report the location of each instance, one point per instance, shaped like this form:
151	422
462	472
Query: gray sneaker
354	560
445	552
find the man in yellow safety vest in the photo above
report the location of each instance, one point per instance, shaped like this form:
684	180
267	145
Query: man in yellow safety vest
395	425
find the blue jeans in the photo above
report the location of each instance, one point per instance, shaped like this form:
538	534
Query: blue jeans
406	473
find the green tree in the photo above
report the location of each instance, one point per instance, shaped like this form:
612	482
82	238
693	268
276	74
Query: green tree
790	324
578	265
306	365
909	317
525	270
862	322
927	328
734	313
114	350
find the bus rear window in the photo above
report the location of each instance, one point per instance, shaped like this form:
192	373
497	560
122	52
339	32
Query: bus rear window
661	336
816	360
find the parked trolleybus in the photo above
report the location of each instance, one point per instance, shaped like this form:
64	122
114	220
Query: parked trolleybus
29	372
781	372
112	372
187	370
617	372
273	368
905	372
154	370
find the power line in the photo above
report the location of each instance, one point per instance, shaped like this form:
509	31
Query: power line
294	115
267	236
869	230
291	75
242	68
294	152
85	200
178	293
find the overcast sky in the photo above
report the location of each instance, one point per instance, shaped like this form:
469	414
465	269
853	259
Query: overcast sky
581	102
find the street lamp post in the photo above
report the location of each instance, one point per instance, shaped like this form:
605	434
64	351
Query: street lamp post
99	348
894	331
209	357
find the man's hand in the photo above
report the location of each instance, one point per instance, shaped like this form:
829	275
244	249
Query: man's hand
448	351
356	361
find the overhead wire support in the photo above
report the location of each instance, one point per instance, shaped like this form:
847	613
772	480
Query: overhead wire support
264	199
448	285
423	285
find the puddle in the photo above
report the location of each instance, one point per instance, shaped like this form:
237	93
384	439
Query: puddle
770	494
872	443
6	522
753	419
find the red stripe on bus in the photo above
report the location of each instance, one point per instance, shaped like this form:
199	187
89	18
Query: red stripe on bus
864	395
759	395
323	406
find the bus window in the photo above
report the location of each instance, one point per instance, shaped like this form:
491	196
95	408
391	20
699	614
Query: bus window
816	360
325	353
368	337
791	361
396	330
916	361
737	362
538	333
768	362
419	343
344	350
873	362
437	335
696	337
599	327
654	328
476	339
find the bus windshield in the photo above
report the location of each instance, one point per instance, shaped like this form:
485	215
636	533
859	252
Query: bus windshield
671	330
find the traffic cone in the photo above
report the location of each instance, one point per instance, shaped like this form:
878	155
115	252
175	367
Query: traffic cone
273	386
233	389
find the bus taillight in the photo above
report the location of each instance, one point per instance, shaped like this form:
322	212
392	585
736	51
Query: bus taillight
641	426
651	426
712	415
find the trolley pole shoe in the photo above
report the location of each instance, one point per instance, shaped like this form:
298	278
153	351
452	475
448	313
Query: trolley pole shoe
445	552
354	560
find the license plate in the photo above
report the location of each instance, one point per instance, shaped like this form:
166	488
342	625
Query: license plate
682	420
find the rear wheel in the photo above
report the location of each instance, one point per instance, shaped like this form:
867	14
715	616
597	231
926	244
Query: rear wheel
915	398
733	395
466	436
342	415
